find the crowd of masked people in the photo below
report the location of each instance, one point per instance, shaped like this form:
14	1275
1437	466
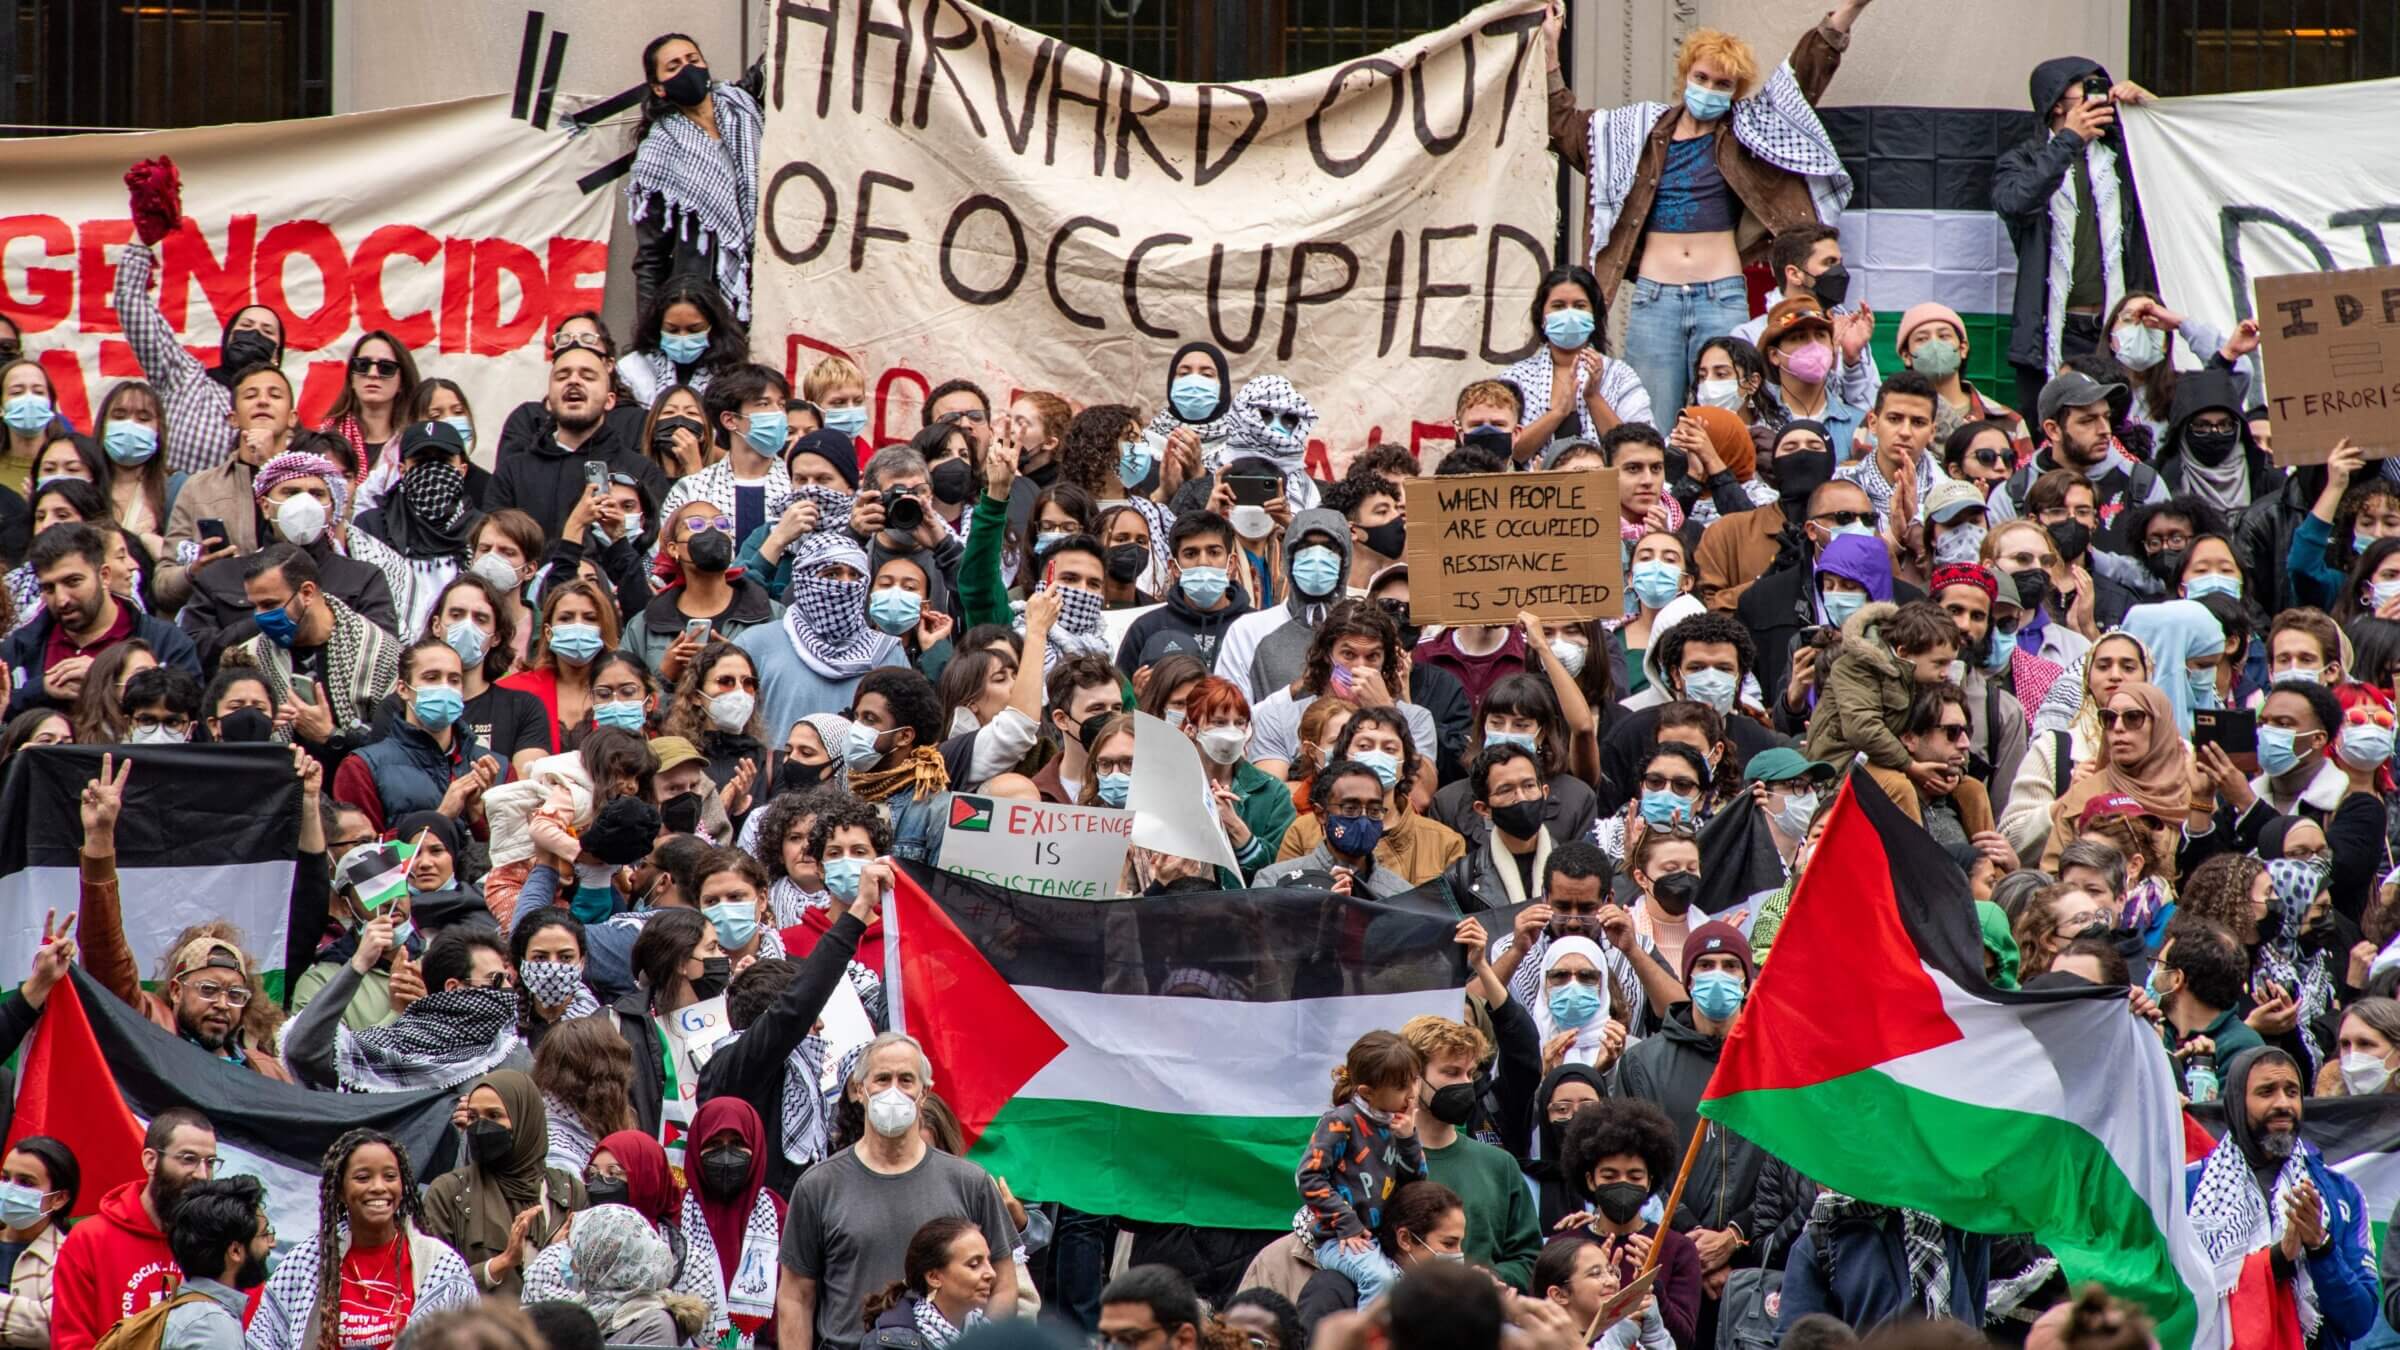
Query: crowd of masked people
633	696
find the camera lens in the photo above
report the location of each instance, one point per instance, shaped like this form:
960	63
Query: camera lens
904	514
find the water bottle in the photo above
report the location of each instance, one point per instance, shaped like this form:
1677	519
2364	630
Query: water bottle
2200	1081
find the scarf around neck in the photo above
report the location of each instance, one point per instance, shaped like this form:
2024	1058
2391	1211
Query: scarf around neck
827	619
707	184
443	1040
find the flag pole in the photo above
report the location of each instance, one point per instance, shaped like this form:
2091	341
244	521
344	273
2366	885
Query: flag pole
1691	1154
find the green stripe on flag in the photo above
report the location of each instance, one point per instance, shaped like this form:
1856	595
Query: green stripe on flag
1968	1164
1212	1171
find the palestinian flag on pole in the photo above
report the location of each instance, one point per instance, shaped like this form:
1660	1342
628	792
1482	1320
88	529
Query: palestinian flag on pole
95	1073
1163	1058
2360	1138
208	832
1874	1058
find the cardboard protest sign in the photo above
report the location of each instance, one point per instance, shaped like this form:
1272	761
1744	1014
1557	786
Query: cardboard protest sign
945	194
2331	343
1072	851
460	229
1482	547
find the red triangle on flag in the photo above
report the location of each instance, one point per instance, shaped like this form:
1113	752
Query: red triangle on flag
66	1091
985	1042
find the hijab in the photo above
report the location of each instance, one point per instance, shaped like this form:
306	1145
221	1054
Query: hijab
615	1260
728	1218
519	1177
1552	1135
1587	1037
2175	631
2087	713
406	829
649	1187
2000	942
2159	778
2294	885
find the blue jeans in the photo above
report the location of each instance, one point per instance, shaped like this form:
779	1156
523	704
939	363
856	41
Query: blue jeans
1370	1270
1667	327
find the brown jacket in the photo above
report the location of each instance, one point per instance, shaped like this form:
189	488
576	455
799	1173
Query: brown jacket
1772	199
1736	550
110	958
222	493
1418	848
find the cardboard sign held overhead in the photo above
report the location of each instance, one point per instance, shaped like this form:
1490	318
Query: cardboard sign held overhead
2331	343
1483	547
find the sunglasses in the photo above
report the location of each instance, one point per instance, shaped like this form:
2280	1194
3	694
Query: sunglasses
2133	719
1289	421
1847	517
374	365
1987	458
1957	731
703	524
1659	782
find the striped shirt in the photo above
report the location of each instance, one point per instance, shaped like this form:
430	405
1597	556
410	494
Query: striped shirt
199	410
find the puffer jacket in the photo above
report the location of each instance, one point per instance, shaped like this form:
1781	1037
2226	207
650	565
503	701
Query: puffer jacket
1867	691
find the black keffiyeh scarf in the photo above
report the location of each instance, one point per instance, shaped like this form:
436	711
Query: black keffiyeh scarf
429	516
827	620
442	1041
1079	629
705	184
1920	1236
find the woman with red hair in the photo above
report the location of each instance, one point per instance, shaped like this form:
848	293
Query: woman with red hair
1254	807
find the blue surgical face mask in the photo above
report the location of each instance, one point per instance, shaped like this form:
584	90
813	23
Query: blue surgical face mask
468	641
1113	787
2365	744
849	421
438	705
20	1205
1840	605
1997	649
26	413
2360	541
1718	993
278	624
1047	540
624	714
1712	687
1568	329
1663	808
841	876
2305	674
1574	1005
1655	583
1194	396
2278	750
577	642
465	430
1494	739
1316	570
736	921
1385	764
683	348
1134	459
766	431
129	443
2382	593
1205	586
1706	105
895	611
2203	686
859	747
2213	583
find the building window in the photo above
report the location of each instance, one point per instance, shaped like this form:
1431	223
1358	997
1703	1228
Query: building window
2228	46
147	64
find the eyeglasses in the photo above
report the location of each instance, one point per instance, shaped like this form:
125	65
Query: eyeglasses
1846	518
2019	561
2133	719
374	365
340	846
703	524
2310	855
964	415
2074	924
2166	543
1659	782
231	995
1124	1340
170	721
590	342
203	1163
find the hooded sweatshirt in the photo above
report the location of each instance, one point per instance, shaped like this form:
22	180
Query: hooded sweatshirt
1178	625
111	1266
1266	650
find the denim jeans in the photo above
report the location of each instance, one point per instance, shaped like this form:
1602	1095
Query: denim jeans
1667	327
1370	1270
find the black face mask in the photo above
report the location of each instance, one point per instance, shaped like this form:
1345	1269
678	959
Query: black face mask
2072	538
725	1171
2166	564
1126	561
953	481
663	435
688	87
710	551
1453	1105
246	348
798	777
1619	1201
10	349
1518	820
680	814
608	1191
1493	439
1677	890
2211	447
2270	925
488	1142
245	726
715	973
1832	285
1800	473
2033	587
1389	538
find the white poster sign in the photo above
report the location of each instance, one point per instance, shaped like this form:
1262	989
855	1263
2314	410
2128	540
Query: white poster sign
1077	852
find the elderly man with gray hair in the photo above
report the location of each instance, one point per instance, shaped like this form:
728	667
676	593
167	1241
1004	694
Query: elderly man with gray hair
852	1215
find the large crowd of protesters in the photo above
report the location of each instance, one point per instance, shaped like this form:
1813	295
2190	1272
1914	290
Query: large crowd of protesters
661	673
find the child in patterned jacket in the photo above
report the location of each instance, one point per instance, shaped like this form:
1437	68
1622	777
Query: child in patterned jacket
1363	1150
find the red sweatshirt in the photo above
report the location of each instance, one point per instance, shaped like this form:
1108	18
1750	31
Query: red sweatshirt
112	1265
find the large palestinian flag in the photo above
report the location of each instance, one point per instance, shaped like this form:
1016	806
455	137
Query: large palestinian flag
1874	1058
96	1072
207	832
1162	1058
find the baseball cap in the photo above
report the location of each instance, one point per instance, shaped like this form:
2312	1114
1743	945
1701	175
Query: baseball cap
1793	313
674	750
205	953
2073	389
1782	763
430	435
1949	498
2110	804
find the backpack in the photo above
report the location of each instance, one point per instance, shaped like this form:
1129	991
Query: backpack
147	1328
1750	1307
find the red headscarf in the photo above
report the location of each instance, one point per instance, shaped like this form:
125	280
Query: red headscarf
649	1187
727	1219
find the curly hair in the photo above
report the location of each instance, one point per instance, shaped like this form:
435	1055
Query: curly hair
911	699
843	812
586	1066
1087	450
1617	1127
2036	924
333	1216
2219	890
1351	618
776	819
1435	1036
1710	628
687	710
1390	720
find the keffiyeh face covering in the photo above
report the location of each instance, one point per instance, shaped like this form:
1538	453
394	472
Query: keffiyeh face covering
1270	418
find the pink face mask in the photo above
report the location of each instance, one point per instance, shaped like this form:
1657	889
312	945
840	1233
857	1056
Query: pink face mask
1811	363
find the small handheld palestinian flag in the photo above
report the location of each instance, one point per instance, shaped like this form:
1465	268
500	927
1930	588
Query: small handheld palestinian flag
376	873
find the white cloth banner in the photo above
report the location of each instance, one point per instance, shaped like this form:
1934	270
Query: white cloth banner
463	231
2240	186
943	194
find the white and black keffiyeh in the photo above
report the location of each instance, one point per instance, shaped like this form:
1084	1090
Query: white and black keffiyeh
706	183
571	1143
1078	631
936	1329
2295	885
827	619
1920	1237
442	1041
1776	124
833	505
1256	426
761	1235
2233	1218
287	1311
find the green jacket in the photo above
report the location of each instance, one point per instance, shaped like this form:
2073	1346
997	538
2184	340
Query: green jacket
1265	805
1867	692
982	595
